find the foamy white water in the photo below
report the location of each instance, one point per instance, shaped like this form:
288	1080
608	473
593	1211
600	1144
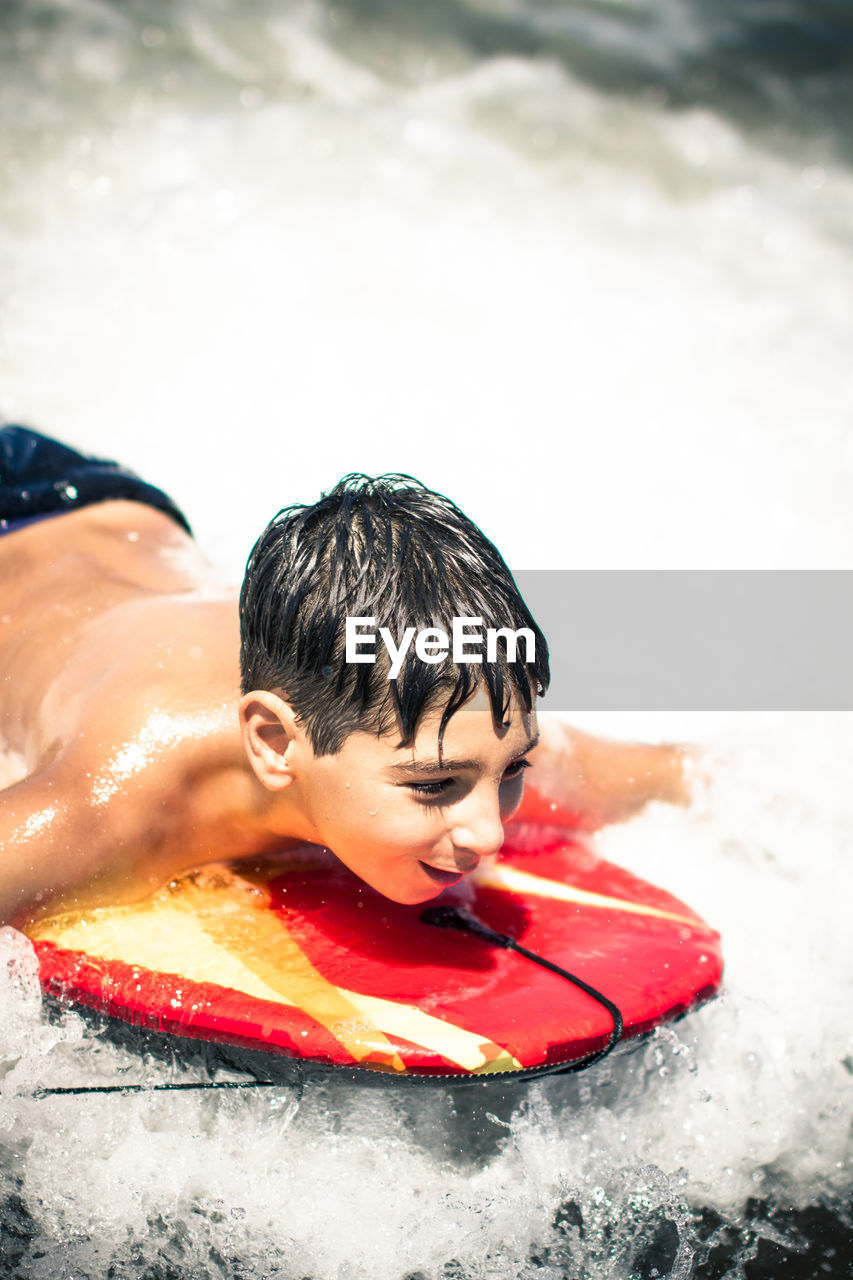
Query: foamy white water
747	1100
254	249
533	256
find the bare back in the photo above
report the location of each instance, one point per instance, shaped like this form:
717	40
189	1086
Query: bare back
120	663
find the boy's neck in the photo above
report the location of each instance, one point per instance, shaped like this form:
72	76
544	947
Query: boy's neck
231	813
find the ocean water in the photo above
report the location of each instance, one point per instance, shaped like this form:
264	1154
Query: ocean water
586	267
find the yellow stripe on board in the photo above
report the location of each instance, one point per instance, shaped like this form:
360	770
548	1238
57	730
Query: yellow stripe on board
511	880
465	1048
207	936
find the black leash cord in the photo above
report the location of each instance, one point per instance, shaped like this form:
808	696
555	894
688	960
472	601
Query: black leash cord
158	1088
443	918
465	922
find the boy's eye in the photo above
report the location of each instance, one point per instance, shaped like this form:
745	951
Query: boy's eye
430	788
513	770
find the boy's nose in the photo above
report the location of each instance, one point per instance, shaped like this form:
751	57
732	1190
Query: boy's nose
479	829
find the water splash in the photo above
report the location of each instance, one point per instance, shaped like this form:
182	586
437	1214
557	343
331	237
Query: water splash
725	1136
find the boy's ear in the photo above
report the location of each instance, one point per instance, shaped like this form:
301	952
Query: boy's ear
269	729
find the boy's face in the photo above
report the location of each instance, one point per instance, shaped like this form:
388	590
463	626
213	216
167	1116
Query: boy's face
407	824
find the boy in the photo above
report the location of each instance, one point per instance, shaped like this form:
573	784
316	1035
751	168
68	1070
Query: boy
144	747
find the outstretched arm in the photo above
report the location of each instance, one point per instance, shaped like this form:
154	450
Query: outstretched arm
584	782
43	836
63	848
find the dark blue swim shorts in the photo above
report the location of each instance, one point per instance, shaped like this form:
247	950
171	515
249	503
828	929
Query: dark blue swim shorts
39	477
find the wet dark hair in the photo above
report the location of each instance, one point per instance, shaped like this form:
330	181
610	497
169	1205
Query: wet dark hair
384	547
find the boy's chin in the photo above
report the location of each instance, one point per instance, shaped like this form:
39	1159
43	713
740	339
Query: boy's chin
414	896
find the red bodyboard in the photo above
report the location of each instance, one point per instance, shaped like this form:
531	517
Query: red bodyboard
296	956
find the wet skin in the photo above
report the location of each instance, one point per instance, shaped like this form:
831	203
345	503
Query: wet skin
130	757
409	820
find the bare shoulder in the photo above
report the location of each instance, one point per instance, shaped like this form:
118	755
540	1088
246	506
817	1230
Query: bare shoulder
157	691
82	597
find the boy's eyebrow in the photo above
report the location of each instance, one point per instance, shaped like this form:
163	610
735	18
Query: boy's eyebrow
430	767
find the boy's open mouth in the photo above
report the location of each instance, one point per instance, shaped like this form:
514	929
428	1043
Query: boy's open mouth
441	877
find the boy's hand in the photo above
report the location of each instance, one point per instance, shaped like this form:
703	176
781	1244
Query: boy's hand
585	782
